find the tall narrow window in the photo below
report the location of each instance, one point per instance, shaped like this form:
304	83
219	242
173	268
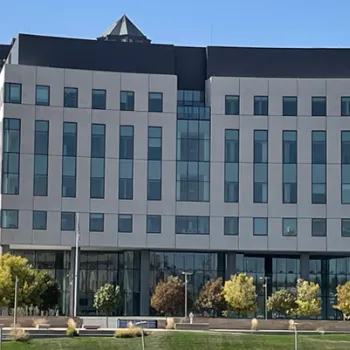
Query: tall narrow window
345	167
125	223
193	148
231	224
260	187
97	164
155	102
39	220
319	106
289	166
42	95
319	227
97	222
231	165
261	105
231	105
154	186
345	106
13	93
345	227
69	159
290	105
41	158
11	156
70	97
319	167
127	100
126	162
98	99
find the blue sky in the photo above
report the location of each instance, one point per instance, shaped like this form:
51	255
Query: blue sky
304	23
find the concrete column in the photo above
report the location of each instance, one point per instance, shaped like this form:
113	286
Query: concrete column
230	265
4	249
304	266
144	283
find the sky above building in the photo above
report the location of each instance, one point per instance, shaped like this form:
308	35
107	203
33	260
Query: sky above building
276	23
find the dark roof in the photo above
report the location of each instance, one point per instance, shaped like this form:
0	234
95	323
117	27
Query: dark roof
192	65
4	51
124	30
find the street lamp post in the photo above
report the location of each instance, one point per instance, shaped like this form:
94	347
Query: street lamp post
186	274
76	267
141	323
265	293
293	325
16	303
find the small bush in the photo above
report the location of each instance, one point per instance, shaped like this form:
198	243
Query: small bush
72	328
19	334
131	325
40	321
129	333
170	323
255	324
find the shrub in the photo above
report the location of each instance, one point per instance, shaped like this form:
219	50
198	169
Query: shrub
19	334
129	333
72	328
40	321
255	324
170	323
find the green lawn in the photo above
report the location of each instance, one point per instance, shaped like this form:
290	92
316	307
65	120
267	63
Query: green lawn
193	341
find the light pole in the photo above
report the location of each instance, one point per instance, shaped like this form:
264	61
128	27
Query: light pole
76	267
293	325
141	323
186	274
16	303
265	293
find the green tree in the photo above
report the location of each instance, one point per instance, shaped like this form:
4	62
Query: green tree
107	299
169	296
50	291
211	298
343	299
240	294
308	303
282	302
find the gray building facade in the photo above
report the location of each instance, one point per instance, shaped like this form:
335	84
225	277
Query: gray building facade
215	160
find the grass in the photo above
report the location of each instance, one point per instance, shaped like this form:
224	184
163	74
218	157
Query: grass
186	341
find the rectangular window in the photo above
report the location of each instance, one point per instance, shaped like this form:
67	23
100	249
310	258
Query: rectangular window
154	186
154	224
261	105
127	100
126	162
260	187
345	106
319	106
290	105
345	227
9	218
98	99
11	156
231	105
71	97
97	161
319	227
125	223
42	95
69	159
192	225
231	225
289	226
96	222
13	93
260	226
155	102
231	166
39	220
67	221
345	167
319	167
41	158
289	166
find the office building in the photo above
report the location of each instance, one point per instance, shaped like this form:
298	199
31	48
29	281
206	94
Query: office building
210	159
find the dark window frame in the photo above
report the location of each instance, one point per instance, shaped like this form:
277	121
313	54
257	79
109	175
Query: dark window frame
155	110
93	103
313	226
76	92
121	106
235	99
159	228
16	211
34	226
287	113
48	95
314	111
8	94
129	229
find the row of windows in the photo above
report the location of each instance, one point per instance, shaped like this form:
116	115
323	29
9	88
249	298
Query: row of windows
198	225
289	105
13	94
